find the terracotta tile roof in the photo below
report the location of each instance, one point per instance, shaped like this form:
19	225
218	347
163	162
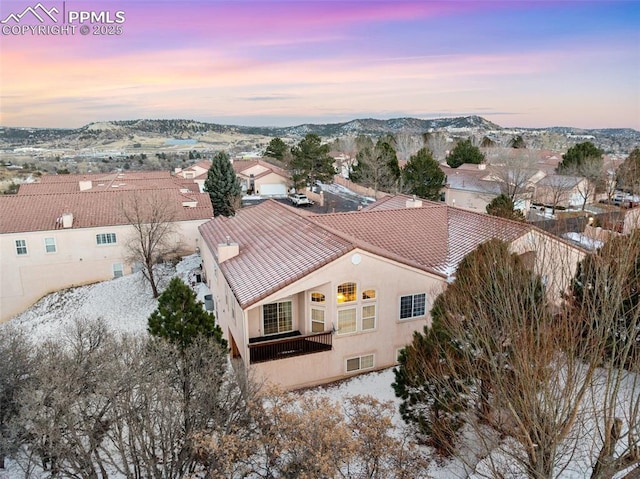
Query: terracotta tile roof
467	230
137	184
104	177
139	180
434	237
240	166
277	247
396	202
24	213
414	236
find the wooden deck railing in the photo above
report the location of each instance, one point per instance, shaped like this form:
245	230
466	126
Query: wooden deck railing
288	347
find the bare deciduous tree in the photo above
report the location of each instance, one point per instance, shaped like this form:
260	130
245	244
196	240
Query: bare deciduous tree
513	169
555	189
132	405
155	238
438	143
312	437
407	144
16	374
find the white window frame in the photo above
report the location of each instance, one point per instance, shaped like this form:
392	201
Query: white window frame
316	321
355	321
47	246
279	331
374	317
117	270
413	300
360	359
369	303
317	300
21	247
104	239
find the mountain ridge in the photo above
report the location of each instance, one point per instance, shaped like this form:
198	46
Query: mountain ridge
102	132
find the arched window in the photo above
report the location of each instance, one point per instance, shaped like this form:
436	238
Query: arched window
368	294
346	293
317	298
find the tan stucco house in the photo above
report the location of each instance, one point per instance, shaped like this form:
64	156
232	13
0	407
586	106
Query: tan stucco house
70	230
256	176
306	299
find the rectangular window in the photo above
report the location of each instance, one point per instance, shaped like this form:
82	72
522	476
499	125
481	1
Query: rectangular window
412	306
50	245
21	247
368	317
359	363
347	321
106	238
118	270
277	318
317	320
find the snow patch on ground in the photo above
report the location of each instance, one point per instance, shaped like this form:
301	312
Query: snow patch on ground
124	304
583	240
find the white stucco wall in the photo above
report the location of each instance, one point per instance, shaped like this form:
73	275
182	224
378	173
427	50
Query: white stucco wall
390	280
78	260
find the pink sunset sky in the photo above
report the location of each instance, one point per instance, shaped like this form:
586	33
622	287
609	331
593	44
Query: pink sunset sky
517	63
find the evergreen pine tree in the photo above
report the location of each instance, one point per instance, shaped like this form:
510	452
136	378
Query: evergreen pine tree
503	207
465	152
276	149
180	318
578	157
223	186
311	162
422	176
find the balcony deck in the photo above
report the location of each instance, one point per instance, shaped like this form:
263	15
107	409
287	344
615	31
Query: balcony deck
270	350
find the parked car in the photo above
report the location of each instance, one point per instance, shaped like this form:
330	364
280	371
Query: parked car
298	199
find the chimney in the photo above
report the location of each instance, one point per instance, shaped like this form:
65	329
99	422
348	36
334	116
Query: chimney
227	250
85	185
67	220
414	203
482	166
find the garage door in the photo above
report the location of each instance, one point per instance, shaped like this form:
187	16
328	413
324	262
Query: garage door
273	189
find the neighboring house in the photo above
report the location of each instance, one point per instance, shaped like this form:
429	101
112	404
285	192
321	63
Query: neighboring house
562	190
473	187
262	178
70	230
467	188
306	299
256	176
343	163
196	173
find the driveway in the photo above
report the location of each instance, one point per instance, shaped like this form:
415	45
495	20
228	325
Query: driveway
337	199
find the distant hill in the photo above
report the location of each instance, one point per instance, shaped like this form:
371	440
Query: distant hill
100	134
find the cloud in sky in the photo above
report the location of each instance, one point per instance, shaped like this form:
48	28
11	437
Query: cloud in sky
549	63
